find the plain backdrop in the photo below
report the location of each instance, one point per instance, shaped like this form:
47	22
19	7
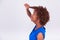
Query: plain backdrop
16	25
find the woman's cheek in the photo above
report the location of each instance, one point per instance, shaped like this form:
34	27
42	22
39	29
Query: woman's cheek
32	18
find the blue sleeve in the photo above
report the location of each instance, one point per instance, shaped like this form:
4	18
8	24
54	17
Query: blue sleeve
41	31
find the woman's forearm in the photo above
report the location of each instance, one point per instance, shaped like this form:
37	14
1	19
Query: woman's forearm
28	12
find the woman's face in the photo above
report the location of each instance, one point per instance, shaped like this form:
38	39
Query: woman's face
34	16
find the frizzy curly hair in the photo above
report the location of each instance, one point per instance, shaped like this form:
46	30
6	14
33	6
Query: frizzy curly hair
42	14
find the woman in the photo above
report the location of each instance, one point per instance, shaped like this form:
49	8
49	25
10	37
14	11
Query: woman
40	17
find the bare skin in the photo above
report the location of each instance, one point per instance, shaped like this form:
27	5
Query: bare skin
33	17
27	9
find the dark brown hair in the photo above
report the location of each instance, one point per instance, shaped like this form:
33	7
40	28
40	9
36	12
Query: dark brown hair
42	14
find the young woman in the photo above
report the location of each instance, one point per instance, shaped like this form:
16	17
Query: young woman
40	17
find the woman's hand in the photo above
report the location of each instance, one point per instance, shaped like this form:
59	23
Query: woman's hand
26	5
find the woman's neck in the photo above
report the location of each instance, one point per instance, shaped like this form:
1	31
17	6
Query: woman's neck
38	25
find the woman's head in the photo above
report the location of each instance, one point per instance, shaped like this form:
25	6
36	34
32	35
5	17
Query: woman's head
40	15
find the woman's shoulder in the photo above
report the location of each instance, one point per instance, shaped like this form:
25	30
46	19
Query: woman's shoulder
42	29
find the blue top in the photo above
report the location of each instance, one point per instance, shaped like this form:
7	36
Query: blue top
34	33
